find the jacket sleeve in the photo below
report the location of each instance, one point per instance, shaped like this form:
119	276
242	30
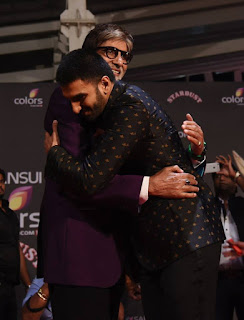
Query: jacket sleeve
125	127
122	192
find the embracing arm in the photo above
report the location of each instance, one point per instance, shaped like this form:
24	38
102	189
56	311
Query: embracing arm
126	126
168	183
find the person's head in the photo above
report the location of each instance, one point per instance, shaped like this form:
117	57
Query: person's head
114	44
2	183
87	81
223	184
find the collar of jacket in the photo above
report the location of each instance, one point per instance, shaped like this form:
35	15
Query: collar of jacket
118	89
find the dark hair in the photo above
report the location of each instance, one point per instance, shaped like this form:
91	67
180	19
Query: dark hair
107	31
2	172
85	65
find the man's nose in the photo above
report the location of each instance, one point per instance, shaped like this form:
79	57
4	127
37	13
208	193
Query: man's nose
118	60
222	177
76	106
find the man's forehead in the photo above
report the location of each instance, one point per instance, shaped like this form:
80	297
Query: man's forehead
117	43
77	86
224	171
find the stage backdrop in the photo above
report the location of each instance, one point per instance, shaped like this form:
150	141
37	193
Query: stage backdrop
217	107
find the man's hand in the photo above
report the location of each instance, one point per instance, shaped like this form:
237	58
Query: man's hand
194	134
172	182
227	164
133	289
232	254
53	140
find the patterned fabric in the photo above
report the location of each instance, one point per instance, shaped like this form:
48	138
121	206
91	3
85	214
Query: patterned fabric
141	139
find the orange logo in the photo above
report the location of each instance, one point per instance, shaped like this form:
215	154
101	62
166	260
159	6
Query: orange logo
20	198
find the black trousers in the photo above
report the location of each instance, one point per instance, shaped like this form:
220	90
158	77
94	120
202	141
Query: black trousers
230	295
8	304
185	290
86	303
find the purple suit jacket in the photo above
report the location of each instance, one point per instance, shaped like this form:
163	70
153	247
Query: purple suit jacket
78	245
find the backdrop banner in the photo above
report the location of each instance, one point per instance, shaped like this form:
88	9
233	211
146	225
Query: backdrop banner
217	107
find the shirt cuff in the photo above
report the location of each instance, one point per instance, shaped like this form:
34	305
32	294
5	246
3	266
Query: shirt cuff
143	197
197	163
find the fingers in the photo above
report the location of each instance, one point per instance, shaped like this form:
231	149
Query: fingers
189	117
190	189
171	182
237	243
192	126
193	131
229	253
189	177
55	126
55	137
222	159
180	177
134	296
187	190
219	160
194	137
186	195
175	168
135	292
184	189
183	177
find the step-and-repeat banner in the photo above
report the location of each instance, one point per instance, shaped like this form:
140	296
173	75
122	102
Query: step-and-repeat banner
217	107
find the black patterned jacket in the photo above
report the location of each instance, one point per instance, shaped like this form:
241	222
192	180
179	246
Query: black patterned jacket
141	139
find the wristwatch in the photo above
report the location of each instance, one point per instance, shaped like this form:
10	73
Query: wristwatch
199	156
237	175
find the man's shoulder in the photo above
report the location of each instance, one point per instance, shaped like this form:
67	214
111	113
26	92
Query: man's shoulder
130	96
5	204
135	92
140	95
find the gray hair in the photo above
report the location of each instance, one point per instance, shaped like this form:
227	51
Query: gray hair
107	31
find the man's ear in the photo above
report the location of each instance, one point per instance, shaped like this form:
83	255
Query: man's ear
105	85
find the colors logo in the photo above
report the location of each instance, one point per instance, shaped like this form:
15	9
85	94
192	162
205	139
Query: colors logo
31	101
33	93
239	92
20	198
237	98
